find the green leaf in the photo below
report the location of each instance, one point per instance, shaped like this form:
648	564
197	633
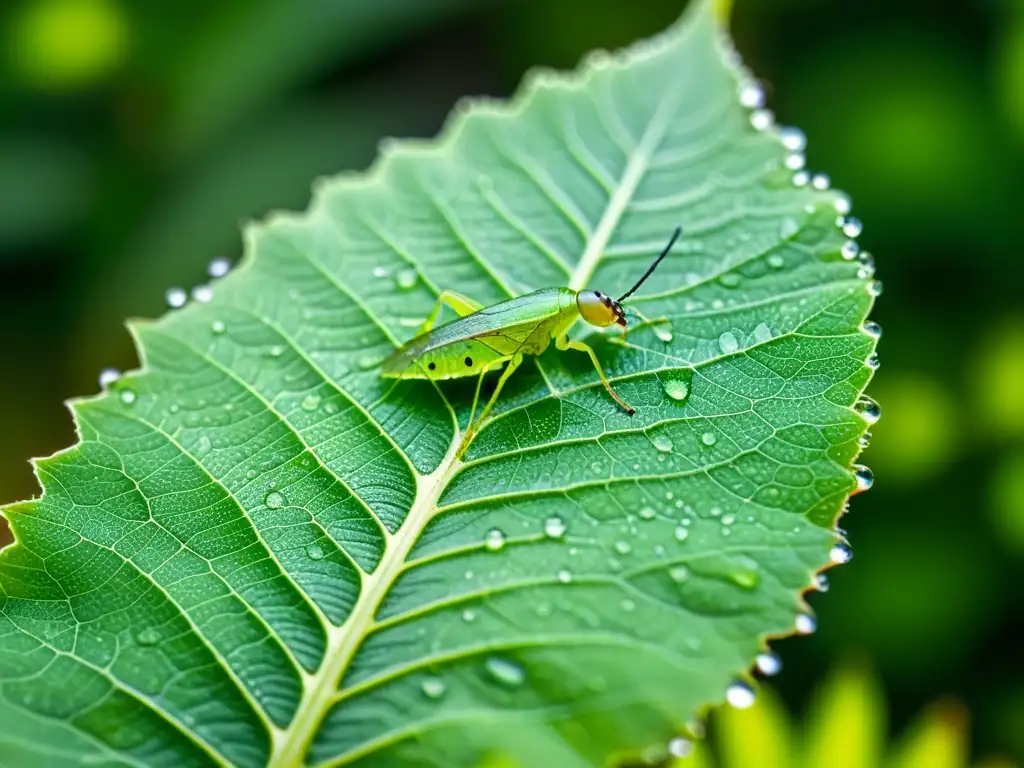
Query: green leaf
261	552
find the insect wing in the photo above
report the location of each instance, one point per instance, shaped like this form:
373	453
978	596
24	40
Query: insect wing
511	319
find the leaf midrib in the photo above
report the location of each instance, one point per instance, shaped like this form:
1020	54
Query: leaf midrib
320	689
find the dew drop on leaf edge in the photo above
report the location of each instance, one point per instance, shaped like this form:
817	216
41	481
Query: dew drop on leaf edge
768	663
841	553
680	747
805	624
740	695
864	477
108	376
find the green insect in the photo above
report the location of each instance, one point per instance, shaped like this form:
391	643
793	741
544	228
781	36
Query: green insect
483	339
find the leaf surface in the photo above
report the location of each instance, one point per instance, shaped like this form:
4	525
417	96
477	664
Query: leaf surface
261	552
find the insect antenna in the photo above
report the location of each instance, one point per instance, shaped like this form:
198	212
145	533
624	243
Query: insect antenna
650	269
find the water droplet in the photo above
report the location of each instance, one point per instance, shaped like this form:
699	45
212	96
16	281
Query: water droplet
787	228
314	551
841	553
494	540
873	362
867	265
842	204
663	331
680	747
708	438
627	604
849	250
727	343
821	582
729	280
873	329
203	294
505	672
679	573
769	663
647	513
663	443
276	351
127	396
795	161
554	527
875	288
745	577
868	409
175	297
311	402
762	119
379	272
682	533
793	138
469	615
274	500
203	446
148	637
751	94
407	278
801	178
762	333
622	547
851	227
366	362
433	687
564	576
805	623
108	376
218	267
728	519
864	476
676	389
218	327
775	261
740	695
821	181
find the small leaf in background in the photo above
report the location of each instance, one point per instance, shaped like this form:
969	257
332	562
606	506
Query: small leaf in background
263	553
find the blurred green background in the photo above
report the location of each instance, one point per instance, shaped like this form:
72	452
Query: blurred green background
137	135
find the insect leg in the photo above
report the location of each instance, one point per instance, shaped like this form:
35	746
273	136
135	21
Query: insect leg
474	425
563	343
460	304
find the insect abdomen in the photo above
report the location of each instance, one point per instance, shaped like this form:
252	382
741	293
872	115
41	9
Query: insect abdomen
460	358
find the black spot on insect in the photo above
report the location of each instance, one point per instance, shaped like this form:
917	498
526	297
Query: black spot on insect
432	366
469	362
